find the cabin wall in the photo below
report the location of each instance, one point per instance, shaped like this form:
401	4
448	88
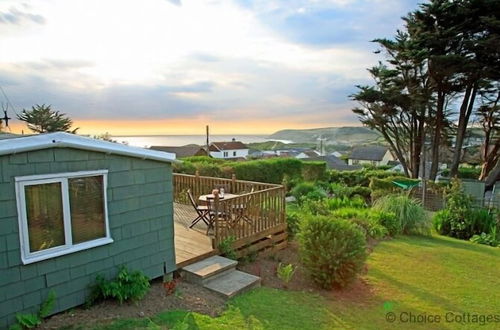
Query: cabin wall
140	216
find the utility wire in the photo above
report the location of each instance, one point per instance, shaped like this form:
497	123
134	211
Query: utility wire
8	101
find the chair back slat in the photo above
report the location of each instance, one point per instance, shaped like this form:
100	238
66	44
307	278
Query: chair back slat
191	198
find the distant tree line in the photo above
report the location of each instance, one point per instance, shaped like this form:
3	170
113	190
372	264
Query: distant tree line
440	72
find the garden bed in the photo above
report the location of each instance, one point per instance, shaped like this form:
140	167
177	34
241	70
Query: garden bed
187	297
266	268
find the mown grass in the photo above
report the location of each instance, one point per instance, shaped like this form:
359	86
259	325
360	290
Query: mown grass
419	275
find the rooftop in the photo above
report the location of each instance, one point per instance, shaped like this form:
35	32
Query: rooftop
23	143
369	153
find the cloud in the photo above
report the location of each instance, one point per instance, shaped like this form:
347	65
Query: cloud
260	61
175	2
17	17
329	23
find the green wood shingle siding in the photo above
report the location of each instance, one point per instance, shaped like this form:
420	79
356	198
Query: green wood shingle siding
140	217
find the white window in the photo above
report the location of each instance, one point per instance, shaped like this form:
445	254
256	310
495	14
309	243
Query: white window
234	153
61	213
225	153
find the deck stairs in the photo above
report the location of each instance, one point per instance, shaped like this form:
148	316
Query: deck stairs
219	274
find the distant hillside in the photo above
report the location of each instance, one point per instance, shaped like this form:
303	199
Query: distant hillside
332	135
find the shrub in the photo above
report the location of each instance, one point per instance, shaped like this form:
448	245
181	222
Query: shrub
388	220
314	171
315	207
285	273
442	222
341	190
332	250
267	170
465	172
337	203
460	219
368	220
127	286
411	215
293	222
307	191
360	177
226	247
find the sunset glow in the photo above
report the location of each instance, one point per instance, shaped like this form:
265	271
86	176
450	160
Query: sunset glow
171	67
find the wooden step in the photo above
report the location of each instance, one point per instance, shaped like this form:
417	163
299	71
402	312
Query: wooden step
232	282
208	268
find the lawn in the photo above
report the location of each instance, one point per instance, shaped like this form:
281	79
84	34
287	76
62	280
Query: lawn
417	275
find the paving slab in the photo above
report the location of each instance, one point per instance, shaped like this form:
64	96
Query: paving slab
232	283
207	268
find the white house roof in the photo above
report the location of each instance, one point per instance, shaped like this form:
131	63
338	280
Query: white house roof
66	140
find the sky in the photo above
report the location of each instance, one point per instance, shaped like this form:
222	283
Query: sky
174	66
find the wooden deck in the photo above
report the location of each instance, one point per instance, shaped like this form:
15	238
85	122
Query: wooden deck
191	245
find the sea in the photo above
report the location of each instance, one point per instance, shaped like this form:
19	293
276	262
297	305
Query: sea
147	141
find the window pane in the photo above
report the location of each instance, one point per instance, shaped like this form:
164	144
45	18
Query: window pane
86	200
45	216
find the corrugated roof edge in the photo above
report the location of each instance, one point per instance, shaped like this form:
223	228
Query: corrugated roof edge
67	140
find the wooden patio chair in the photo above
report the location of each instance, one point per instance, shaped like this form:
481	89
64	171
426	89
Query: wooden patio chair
240	209
202	211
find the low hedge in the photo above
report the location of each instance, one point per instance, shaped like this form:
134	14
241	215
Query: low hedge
274	170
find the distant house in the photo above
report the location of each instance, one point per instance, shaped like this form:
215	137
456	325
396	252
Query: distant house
337	154
308	154
372	155
335	163
228	150
73	207
189	150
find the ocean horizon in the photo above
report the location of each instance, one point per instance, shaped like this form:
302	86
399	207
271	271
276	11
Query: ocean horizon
181	140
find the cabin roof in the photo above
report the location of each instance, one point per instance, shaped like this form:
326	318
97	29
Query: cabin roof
21	143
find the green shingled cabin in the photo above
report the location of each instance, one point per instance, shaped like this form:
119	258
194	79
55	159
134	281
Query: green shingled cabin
72	207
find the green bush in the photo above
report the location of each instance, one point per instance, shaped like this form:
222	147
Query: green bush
465	172
226	247
341	190
314	171
369	220
267	170
307	191
333	251
127	286
442	222
293	223
460	219
337	203
411	215
360	177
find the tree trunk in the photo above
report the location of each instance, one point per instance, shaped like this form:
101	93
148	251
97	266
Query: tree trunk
493	176
436	141
463	121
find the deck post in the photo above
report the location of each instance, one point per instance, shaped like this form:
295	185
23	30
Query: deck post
233	183
215	192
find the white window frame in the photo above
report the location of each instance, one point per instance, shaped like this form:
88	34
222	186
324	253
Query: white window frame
28	257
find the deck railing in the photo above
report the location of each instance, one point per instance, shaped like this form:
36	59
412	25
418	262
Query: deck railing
257	210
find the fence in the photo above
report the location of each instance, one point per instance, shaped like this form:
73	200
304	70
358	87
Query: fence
255	218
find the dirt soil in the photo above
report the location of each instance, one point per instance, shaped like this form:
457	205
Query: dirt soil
187	297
